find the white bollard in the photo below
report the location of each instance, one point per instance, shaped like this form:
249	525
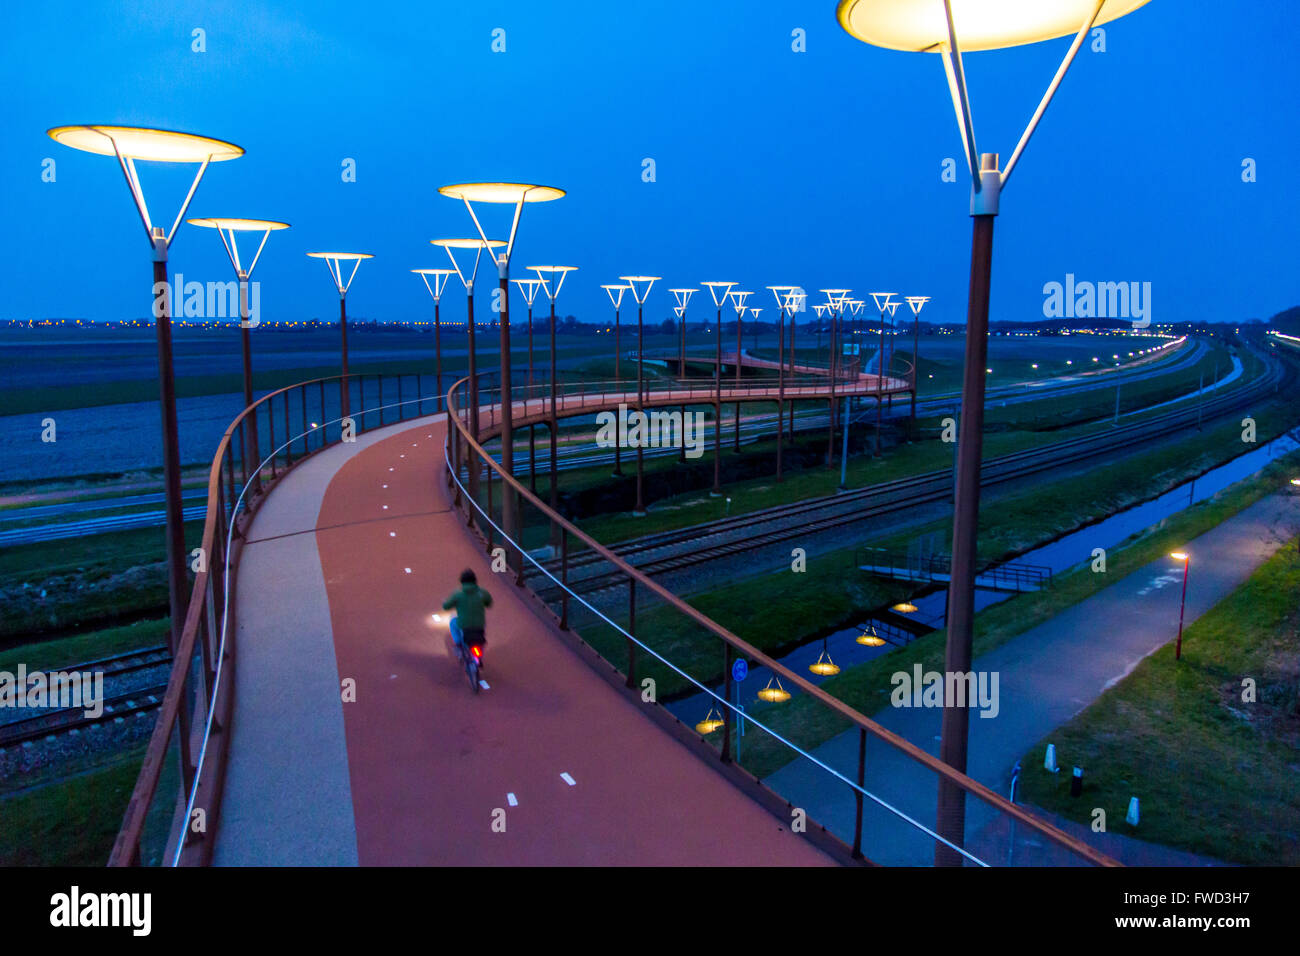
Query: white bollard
1050	763
1133	815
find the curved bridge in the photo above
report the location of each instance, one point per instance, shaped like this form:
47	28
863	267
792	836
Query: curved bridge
346	733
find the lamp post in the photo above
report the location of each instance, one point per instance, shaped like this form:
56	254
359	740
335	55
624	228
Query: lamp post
738	303
719	291
916	303
928	25
753	314
129	144
529	289
1186	559
440	280
884	303
551	279
783	294
834	305
683	297
615	293
798	303
635	283
334	261
467	280
226	229
516	194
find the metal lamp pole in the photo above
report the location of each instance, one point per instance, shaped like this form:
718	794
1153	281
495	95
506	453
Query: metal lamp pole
782	294
916	303
615	293
334	261
634	283
884	303
440	279
551	279
683	297
529	289
1186	559
129	144
719	291
467	280
226	229
834	305
738	303
515	194
984	28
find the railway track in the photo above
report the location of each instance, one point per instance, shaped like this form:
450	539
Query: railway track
54	722
677	550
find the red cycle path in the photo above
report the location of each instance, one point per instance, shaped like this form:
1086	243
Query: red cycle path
430	761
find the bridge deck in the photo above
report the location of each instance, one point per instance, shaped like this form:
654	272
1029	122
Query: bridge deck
413	770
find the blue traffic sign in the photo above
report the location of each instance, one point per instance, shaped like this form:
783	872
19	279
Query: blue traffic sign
739	669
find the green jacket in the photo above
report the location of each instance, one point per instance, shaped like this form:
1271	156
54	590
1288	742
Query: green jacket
469	603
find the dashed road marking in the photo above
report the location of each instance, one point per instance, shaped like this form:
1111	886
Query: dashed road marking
484	684
568	779
392	534
510	799
408	570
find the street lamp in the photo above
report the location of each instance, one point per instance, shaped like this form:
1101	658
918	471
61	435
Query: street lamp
683	297
515	194
467	280
615	293
738	303
928	25
552	278
783	295
916	303
1186	559
128	144
440	279
835	299
226	229
334	262
635	283
884	303
529	289
798	302
720	292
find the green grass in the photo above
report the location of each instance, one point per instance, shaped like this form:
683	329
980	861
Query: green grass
71	821
864	687
1215	774
67	651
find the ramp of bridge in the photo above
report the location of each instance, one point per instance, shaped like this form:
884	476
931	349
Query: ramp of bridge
344	567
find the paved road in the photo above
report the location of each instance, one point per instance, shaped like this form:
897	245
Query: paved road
1046	676
412	772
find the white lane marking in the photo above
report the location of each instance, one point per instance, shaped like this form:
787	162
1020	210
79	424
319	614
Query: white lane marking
392	534
484	684
415	444
385	486
567	779
390	469
401	456
408	570
510	799
385	507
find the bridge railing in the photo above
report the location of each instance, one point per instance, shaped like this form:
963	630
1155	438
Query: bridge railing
173	809
681	663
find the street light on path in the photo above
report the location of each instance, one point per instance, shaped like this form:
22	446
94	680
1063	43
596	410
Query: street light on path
738	303
467	279
552	278
835	299
529	289
516	194
226	229
1186	559
783	295
719	291
928	25
916	303
440	279
334	262
615	293
129	144
683	297
640	287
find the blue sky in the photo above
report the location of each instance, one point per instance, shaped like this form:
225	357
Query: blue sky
820	168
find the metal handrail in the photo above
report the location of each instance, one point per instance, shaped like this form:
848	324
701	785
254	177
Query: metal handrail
733	642
205	628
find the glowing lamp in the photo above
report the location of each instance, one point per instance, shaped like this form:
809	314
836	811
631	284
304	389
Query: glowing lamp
774	695
712	721
824	666
906	607
870	638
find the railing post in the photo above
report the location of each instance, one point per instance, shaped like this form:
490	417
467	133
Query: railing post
857	794
270	421
488	520
727	718
564	578
631	629
288	435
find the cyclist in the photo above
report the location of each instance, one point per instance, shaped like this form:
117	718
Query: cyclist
469	603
